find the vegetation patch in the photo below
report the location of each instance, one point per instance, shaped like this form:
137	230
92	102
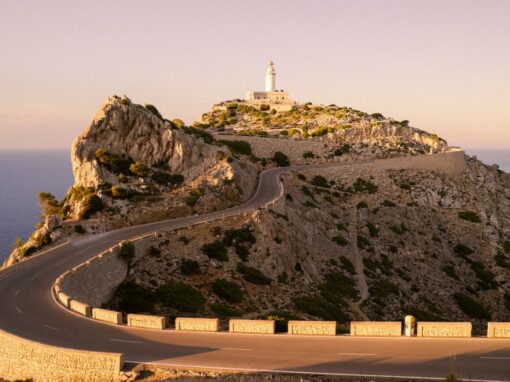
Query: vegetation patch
470	216
114	163
280	159
224	310
238	147
319	307
190	267
471	307
91	204
134	298
320	181
181	297
347	265
166	179
388	203
193	197
373	230
253	275
463	250
228	290
215	250
449	270
363	185
340	240
363	242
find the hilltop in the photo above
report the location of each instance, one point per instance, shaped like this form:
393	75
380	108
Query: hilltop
405	225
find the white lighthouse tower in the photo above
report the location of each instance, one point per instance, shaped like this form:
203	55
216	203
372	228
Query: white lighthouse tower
270	77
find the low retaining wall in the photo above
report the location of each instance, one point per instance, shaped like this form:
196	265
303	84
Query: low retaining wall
317	328
376	328
452	162
144	321
498	330
444	329
81	308
197	324
63	298
28	360
251	326
106	315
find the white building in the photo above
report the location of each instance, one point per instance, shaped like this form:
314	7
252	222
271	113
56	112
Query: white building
275	99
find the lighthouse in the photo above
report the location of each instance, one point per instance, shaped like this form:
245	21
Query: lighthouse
270	77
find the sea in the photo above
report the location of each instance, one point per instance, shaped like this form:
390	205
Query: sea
24	173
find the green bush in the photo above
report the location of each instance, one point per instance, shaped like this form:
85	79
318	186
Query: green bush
320	181
240	235
253	275
399	230
449	269
388	203
485	277
166	179
215	250
134	298
242	252
463	250
361	205
193	197
78	228
347	264
197	132
120	193
308	155
501	260
373	230
506	246
238	147
342	150
337	287
363	242
362	185
470	216
471	307
48	203
228	290
139	169
181	297
340	240
224	310
381	289
91	204
190	267
281	319
127	251
153	110
113	162
281	159
318	307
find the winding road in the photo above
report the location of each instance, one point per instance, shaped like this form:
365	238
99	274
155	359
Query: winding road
27	309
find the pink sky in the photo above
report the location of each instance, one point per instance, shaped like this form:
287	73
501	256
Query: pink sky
443	65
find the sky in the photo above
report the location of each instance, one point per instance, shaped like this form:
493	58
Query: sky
442	65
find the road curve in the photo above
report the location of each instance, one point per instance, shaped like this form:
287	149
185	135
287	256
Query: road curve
27	309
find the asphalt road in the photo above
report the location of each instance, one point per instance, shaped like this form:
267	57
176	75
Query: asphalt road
27	309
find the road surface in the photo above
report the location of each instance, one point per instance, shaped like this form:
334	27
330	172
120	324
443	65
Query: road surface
27	309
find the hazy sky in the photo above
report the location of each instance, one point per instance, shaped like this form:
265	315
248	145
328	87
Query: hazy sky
444	65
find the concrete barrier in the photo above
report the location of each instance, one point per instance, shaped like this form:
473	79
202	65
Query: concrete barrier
316	328
144	321
498	330
28	360
80	307
107	315
64	299
197	324
376	328
444	329
251	326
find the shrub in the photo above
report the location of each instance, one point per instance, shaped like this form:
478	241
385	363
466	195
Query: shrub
363	242
362	185
120	193
388	203
373	230
485	277
153	110
471	307
253	275
48	203
308	155
228	290
381	289
242	252
361	205
193	197
181	297
197	132
215	250
113	162
42	240
347	264
139	169
340	240
127	251
341	227
319	307
307	192
399	230
189	267
281	159
91	204
134	298
78	228
320	181
283	278
463	250
502	261
506	246
240	235
225	310
450	271
342	150
165	178
281	319
470	216
238	147
337	286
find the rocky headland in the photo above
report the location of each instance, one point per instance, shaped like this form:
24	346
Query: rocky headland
373	238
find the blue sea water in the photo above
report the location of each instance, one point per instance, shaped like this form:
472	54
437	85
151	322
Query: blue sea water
25	173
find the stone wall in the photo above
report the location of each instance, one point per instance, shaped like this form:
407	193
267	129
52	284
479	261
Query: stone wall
317	328
95	281
27	360
452	162
376	329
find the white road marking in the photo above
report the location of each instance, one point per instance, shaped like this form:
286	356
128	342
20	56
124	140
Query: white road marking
495	357
126	341
16	293
240	349
51	327
361	354
19	310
